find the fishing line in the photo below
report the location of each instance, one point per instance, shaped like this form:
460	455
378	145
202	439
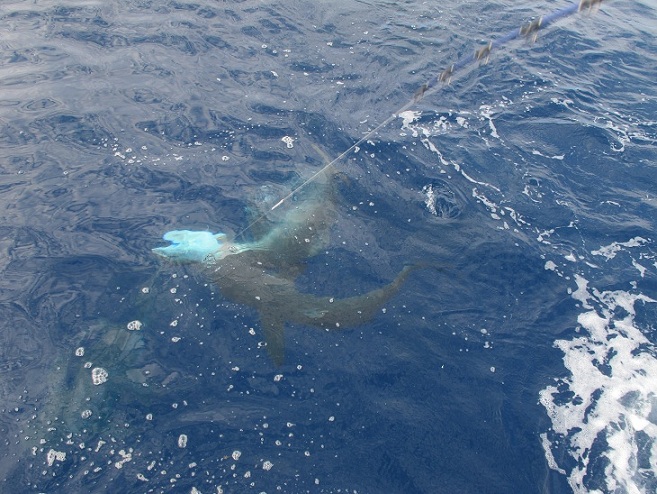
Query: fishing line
481	55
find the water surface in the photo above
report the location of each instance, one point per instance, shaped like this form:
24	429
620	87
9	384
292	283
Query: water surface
526	365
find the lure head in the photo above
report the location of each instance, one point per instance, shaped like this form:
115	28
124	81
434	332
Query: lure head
194	246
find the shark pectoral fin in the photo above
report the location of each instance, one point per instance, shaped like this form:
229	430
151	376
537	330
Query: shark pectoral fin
274	329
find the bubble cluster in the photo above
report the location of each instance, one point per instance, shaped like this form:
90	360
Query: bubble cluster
53	456
134	325
289	141
99	376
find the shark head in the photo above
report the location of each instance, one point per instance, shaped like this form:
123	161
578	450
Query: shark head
197	246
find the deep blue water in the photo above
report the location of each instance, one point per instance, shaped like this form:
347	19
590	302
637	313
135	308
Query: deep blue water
526	364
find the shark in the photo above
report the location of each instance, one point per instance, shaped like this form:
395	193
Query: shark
262	273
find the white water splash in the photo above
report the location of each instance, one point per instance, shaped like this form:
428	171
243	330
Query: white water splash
607	404
604	414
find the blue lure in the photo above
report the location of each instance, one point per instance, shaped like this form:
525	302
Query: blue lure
196	246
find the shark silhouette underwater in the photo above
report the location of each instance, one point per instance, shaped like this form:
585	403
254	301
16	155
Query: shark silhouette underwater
262	273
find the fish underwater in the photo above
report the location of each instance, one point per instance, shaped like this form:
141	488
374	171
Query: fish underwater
262	273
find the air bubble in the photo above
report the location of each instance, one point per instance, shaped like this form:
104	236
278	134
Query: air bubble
134	325
99	376
289	141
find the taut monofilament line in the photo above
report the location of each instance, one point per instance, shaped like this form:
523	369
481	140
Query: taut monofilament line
481	55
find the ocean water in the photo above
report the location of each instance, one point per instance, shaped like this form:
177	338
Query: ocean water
526	363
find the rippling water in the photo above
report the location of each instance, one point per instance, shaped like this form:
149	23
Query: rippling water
527	364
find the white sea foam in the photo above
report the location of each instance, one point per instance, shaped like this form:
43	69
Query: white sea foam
430	199
607	404
610	251
604	413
